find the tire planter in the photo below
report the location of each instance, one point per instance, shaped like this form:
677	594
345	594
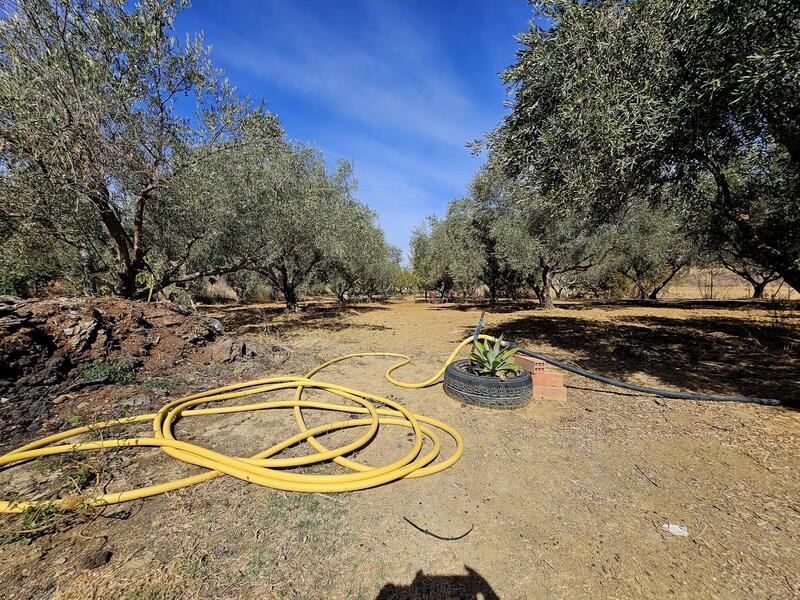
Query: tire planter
490	392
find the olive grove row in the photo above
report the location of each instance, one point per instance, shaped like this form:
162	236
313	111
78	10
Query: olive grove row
643	137
129	165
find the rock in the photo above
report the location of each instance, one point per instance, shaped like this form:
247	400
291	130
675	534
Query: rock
678	530
47	347
227	351
138	401
217	325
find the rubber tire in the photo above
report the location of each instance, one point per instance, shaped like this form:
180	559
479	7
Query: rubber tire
490	392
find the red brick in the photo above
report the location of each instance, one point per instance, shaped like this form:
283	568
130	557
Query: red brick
531	365
550	393
548	379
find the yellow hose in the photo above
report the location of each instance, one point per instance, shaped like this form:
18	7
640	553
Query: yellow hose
265	468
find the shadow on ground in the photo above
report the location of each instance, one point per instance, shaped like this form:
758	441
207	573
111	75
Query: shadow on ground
501	307
510	306
441	587
657	305
704	354
325	316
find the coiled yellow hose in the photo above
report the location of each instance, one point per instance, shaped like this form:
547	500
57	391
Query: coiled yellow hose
264	468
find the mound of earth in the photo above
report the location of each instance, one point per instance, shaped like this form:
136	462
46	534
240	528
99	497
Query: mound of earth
54	346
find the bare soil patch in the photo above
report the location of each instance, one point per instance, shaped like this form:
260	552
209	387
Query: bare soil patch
561	499
57	353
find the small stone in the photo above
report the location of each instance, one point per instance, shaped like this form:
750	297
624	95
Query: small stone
68	331
678	530
60	561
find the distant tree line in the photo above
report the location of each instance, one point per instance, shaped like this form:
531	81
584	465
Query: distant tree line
644	137
130	165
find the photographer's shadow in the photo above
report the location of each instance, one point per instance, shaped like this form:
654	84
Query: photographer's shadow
441	587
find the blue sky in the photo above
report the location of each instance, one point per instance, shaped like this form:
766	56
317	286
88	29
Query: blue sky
396	86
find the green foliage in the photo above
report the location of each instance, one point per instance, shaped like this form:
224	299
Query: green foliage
121	371
34	522
93	148
423	266
461	251
650	250
164	384
694	104
360	262
492	359
306	226
26	277
125	193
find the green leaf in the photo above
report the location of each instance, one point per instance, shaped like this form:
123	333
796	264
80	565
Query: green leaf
509	353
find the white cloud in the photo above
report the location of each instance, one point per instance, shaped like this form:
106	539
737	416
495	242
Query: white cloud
389	97
392	78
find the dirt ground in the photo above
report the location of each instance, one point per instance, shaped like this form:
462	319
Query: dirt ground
560	499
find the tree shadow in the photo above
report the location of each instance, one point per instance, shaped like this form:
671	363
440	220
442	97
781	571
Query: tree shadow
656	305
471	586
510	306
703	354
326	316
501	307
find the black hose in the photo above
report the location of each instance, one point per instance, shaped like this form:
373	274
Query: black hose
640	388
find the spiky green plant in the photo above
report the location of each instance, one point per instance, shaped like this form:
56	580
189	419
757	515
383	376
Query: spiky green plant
492	359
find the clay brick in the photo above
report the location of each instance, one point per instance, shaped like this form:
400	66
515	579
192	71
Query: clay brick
531	365
550	393
548	379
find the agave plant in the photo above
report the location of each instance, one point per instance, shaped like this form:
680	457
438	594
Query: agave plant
492	359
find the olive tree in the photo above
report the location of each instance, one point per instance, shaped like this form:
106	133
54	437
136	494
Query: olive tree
617	101
429	264
360	260
297	210
383	274
91	138
459	251
650	250
545	246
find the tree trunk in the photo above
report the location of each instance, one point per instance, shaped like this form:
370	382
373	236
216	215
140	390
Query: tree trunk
657	290
790	274
290	296
546	298
288	288
88	271
125	272
778	260
758	288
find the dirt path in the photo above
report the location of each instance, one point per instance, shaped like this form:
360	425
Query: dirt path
560	499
